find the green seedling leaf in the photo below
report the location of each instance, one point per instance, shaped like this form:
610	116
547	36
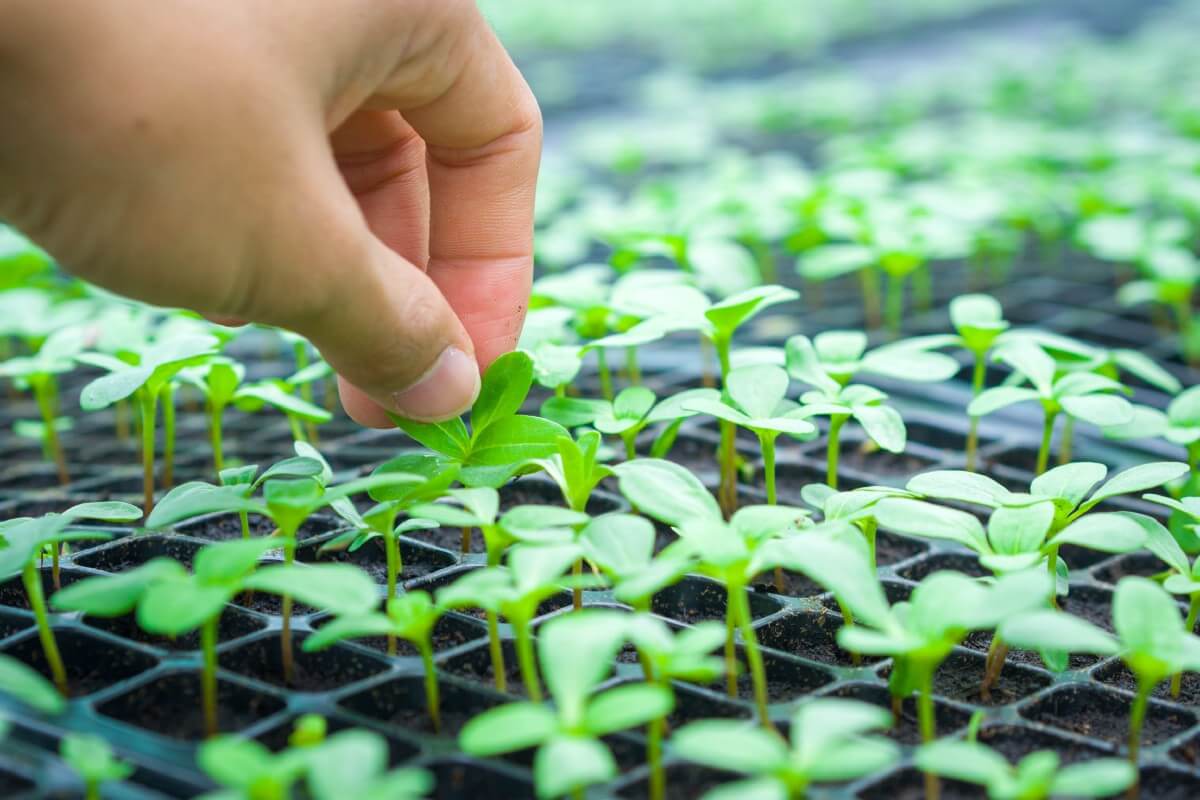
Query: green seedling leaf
26	685
665	491
340	588
114	595
92	758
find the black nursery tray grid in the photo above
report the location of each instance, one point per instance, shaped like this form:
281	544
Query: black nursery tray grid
140	692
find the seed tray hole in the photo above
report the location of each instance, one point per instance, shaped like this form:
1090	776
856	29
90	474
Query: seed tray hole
450	631
909	784
1018	741
692	705
948	718
811	634
321	671
401	702
133	552
694	599
684	782
417	560
1141	563
1118	675
220	527
457	779
170	705
12	591
234	624
1104	714
92	663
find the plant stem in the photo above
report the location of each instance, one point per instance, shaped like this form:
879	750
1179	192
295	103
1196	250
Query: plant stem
497	652
576	591
632	368
731	680
1043	457
922	287
977	377
895	302
706	375
870	528
244	516
1065	442
766	443
465	540
432	696
168	407
37	602
654	737
928	726
1137	716
121	419
300	350
285	635
1052	566
629	437
208	678
392	555
148	402
525	659
1190	627
606	386
215	437
44	395
727	491
833	449
758	674
296	428
869	281
993	666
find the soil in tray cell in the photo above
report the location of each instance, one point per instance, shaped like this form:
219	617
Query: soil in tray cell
1118	675
961	673
909	784
91	663
276	738
691	705
966	563
450	631
401	702
1018	741
684	782
786	679
11	624
458	779
12	783
1141	564
134	552
221	527
695	599
170	706
1163	783
981	642
12	591
416	560
949	718
476	665
234	624
1104	714
810	634
321	671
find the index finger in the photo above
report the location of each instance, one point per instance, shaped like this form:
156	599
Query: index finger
463	95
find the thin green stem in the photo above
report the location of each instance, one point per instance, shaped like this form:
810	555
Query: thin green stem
300	350
606	383
895	302
833	449
208	677
216	438
629	438
977	378
432	695
766	443
499	669
632	368
392	557
296	428
731	678
245	520
869	281
1137	716
168	407
526	660
658	778
1043	457
927	724
121	419
148	402
727	491
37	602
758	673
1190	627
1066	441
870	528
922	287
43	393
285	636
1052	568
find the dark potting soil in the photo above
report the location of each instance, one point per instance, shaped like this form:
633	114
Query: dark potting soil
12	783
459	779
1104	714
271	604
880	462
961	674
229	526
1141	564
276	738
966	563
909	784
416	561
786	679
322	671
92	663
11	624
401	701
981	641
811	635
1118	675
904	730
476	665
1162	783
794	585
449	539
170	706
684	782
135	551
12	591
692	705
1017	741
233	624
695	599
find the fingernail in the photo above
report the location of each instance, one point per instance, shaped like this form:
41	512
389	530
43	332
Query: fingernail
447	389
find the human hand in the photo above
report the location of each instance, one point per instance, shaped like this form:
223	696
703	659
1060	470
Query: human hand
360	172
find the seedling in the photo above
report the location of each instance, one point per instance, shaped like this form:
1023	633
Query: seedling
827	364
857	506
1082	396
39	373
621	546
25	538
979	322
1180	425
534	573
633	410
411	617
1185	577
170	601
920	633
576	653
25	684
302	415
500	442
93	761
755	398
666	656
1038	776
156	366
831	741
218	380
1150	639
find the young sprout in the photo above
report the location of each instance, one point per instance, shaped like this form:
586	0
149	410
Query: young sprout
576	653
1185	576
410	617
93	761
857	506
666	656
1082	396
156	366
1150	639
25	538
755	398
621	547
534	573
979	322
500	442
831	741
218	380
633	410
301	415
39	373
1180	425
1038	776
828	362
920	633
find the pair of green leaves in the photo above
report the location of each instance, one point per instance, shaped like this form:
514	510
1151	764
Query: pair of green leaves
25	537
576	654
1038	776
500	441
154	367
754	398
634	409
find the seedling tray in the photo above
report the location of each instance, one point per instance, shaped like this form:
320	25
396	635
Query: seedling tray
140	692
